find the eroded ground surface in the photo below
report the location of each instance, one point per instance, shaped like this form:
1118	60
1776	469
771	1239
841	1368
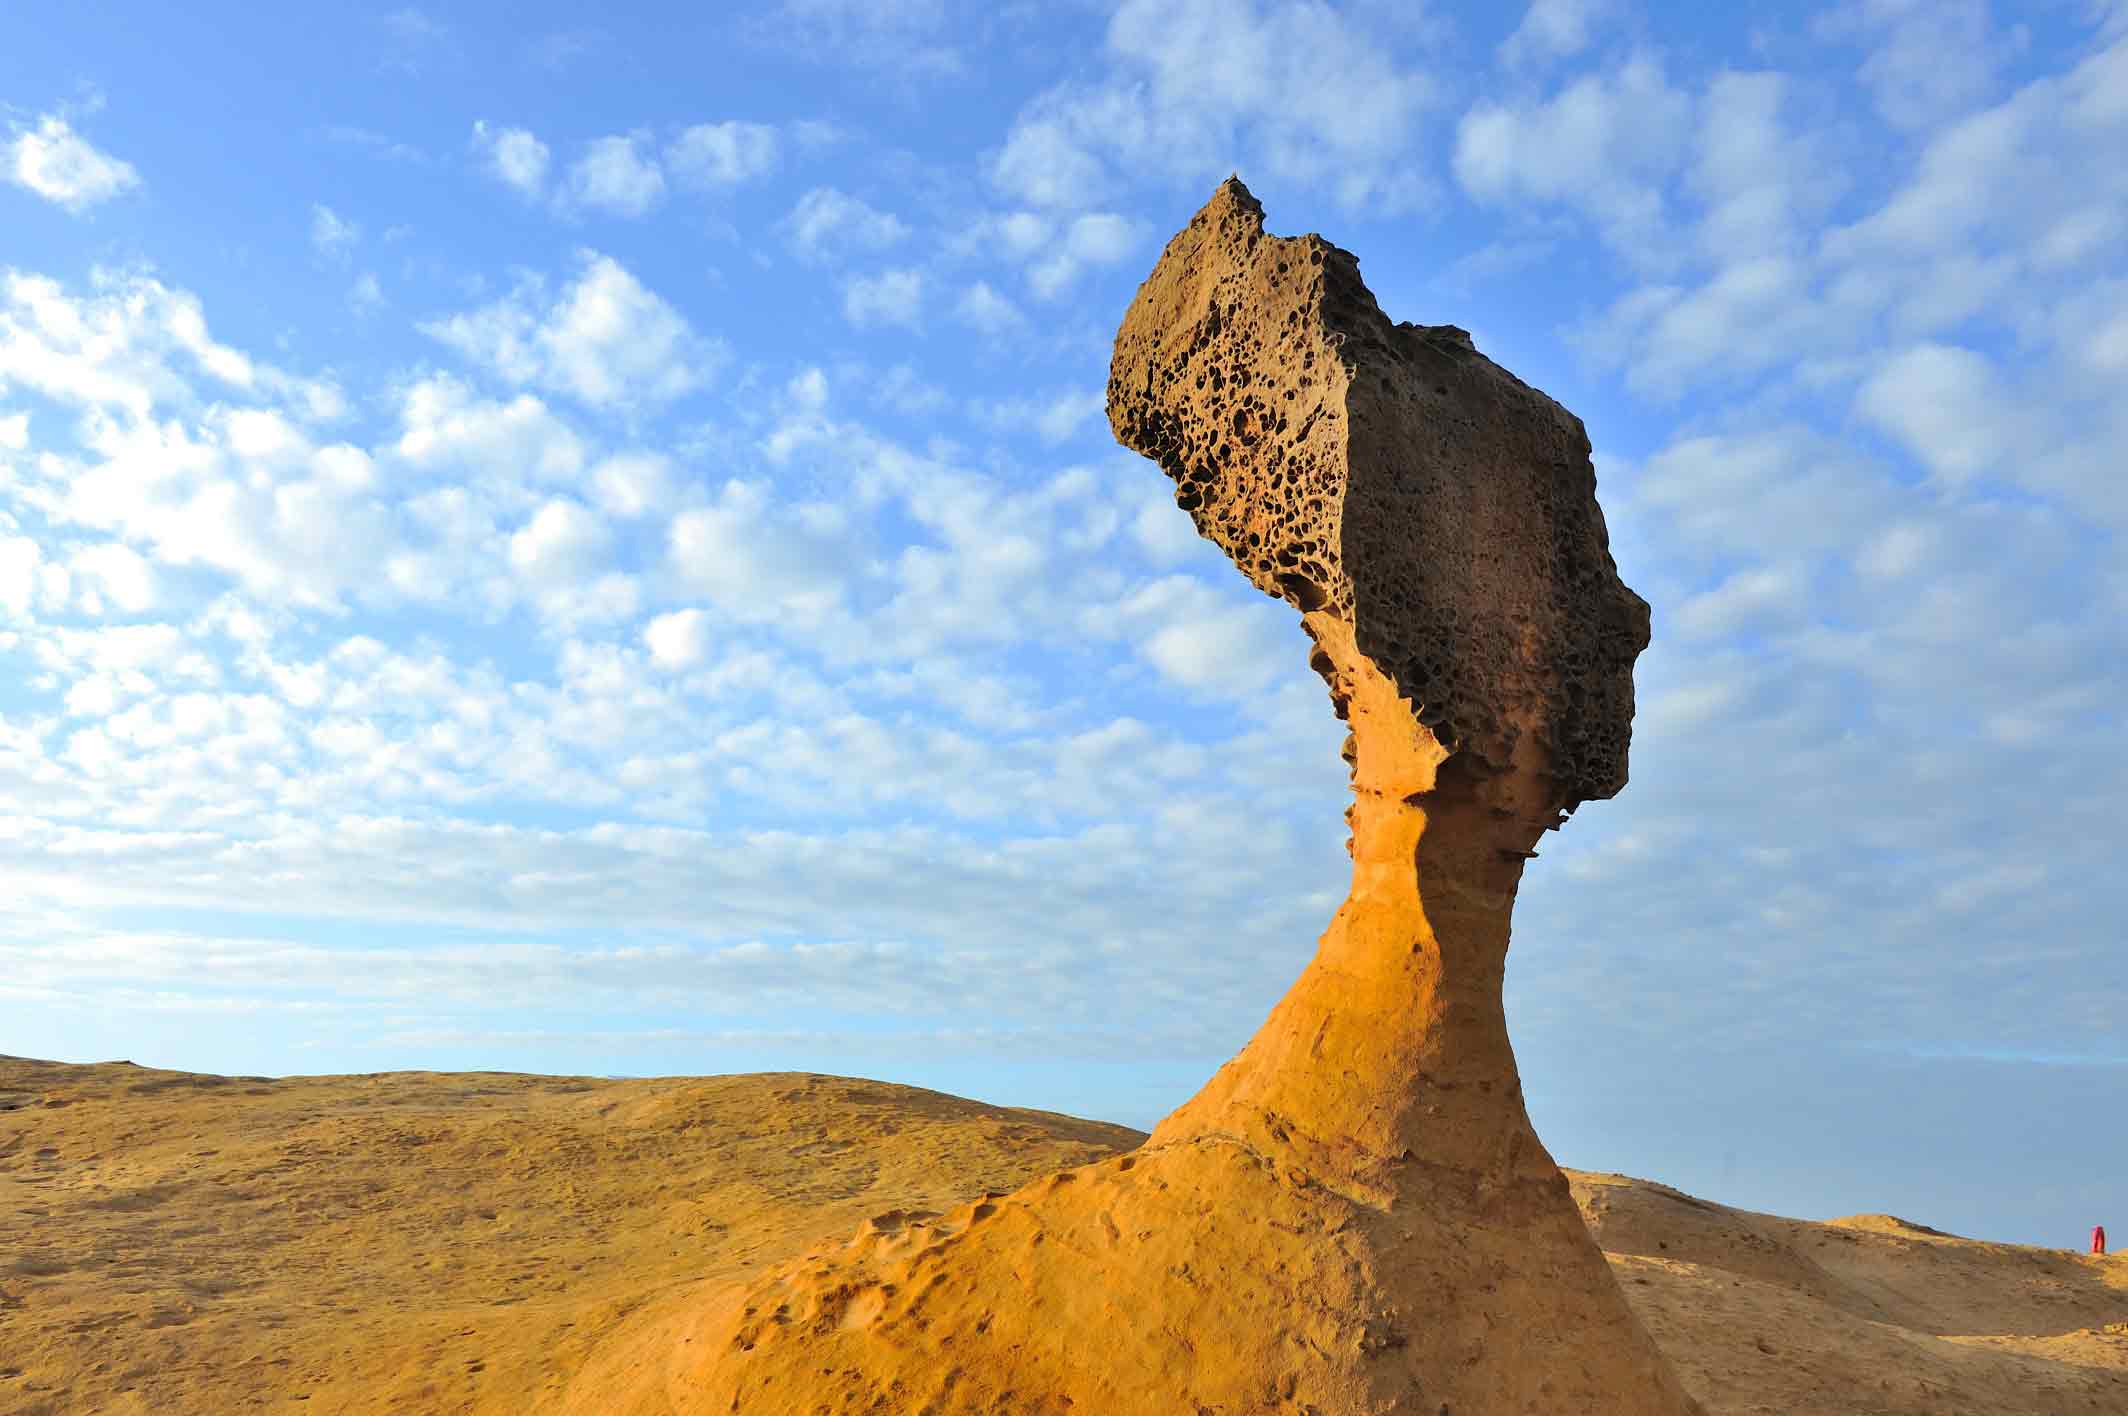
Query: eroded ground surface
456	1243
1864	1316
426	1242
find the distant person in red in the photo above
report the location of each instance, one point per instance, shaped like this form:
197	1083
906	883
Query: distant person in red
2098	1238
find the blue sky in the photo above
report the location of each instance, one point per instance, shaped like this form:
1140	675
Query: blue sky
573	546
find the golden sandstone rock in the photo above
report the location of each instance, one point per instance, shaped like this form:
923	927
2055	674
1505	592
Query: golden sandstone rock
1353	1216
488	1244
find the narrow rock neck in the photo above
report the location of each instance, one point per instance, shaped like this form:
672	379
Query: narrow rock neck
1392	1046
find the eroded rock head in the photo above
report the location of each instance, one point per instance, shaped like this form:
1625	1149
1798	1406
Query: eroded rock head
1396	477
1353	1214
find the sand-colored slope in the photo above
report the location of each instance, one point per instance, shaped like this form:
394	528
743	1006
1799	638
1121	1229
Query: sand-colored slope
1860	1316
421	1242
416	1242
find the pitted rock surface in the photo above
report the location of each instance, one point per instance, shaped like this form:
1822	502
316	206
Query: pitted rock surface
1353	1217
1395	476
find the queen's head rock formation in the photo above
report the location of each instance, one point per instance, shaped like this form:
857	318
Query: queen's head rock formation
1353	1216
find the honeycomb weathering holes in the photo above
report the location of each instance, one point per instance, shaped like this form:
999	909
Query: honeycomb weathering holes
1407	485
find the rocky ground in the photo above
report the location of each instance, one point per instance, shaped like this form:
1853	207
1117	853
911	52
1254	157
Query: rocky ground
455	1243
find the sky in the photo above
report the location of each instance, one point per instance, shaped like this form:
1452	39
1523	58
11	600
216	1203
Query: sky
580	546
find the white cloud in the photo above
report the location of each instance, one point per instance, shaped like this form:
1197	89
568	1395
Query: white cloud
880	639
243	484
1201	87
113	350
1552	29
904	391
679	640
515	156
1742	492
1054	249
1021	234
867	934
1229	642
242	491
1938	208
1303	76
1050	157
331	234
979	569
2096	336
1986	221
633	484
1164	532
983	308
890	297
1990	177
604	339
1898	551
445	425
1745	318
561	544
1761	181
808	390
22	583
1605	145
1097	238
59	165
119	572
725	154
826	221
613	177
1944	404
756	559
1053	419
1746	598
1932	58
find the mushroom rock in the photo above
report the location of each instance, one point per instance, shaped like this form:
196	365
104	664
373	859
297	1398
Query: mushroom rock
1353	1215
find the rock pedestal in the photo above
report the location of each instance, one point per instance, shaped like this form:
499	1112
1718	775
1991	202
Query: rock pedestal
1353	1216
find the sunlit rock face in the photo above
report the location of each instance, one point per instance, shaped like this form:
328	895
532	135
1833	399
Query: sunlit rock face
1353	1215
1393	477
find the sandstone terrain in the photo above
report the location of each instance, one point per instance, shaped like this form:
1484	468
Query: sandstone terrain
1352	1217
462	1243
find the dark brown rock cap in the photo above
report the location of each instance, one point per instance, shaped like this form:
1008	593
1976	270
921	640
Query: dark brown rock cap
1392	475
